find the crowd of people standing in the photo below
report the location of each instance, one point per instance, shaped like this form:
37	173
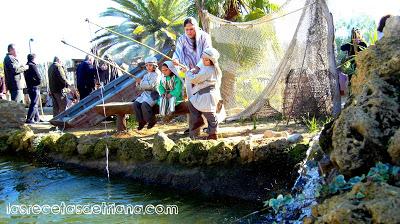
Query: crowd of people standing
63	94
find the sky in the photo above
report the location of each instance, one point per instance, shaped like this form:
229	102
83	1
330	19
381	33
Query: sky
50	21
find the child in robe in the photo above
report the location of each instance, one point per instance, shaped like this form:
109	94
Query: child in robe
144	104
206	99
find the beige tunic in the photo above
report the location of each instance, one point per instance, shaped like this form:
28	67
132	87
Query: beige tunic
206	102
148	84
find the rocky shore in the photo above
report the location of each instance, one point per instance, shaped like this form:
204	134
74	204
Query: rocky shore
362	145
251	170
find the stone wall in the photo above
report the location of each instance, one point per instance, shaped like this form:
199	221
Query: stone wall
365	129
248	170
12	114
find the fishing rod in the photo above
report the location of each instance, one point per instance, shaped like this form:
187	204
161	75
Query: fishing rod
136	41
98	58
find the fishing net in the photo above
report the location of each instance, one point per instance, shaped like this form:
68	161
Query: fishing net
282	63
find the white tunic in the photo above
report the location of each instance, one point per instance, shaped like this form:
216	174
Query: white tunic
206	102
148	84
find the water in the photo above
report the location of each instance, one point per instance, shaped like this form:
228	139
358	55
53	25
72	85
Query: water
304	192
22	182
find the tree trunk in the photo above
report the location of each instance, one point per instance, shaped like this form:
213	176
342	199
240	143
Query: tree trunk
232	11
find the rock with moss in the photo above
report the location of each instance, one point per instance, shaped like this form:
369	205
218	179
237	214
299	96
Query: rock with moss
36	144
20	140
298	152
134	149
366	203
394	148
361	134
48	142
272	150
67	144
162	145
86	146
195	153
112	144
173	155
222	153
3	141
246	152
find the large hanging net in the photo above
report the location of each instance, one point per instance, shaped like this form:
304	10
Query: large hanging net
281	63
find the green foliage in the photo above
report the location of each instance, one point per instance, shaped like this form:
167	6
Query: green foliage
253	15
248	9
381	173
254	118
279	202
131	122
311	123
153	22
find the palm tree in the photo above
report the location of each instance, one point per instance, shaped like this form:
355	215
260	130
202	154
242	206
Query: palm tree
235	10
153	22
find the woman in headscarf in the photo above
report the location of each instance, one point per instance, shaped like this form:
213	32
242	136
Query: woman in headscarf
189	48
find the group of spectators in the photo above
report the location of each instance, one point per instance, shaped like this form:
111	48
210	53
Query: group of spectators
18	76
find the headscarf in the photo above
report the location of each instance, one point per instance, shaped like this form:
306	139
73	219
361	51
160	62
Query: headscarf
151	60
174	71
213	55
189	52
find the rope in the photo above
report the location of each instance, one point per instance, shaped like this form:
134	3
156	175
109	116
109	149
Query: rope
101	84
103	103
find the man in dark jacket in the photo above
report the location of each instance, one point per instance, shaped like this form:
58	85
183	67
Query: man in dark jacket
85	74
57	83
13	71
33	80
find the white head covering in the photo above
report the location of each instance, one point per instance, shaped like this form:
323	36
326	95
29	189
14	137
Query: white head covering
171	67
151	60
212	54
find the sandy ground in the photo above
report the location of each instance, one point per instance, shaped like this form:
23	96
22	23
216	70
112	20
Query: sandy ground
175	129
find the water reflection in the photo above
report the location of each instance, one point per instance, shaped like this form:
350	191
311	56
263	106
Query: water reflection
25	183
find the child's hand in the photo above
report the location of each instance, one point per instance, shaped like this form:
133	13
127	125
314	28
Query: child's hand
195	70
138	80
184	69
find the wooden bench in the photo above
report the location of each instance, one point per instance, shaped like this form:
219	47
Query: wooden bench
120	109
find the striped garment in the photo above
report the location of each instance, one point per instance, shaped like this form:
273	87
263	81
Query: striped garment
187	53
